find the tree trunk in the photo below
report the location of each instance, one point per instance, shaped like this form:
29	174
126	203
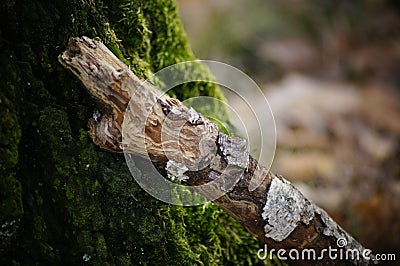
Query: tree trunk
275	212
63	200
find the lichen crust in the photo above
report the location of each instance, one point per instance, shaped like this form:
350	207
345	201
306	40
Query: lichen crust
284	209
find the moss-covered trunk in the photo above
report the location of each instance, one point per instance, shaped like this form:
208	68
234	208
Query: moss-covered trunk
64	201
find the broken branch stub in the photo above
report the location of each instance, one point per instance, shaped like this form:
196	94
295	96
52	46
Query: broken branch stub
275	211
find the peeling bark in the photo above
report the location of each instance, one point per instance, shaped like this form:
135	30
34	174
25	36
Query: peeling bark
275	212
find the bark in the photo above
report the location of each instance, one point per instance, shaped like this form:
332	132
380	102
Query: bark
275	212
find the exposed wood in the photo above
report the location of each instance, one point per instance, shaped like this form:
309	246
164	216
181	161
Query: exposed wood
275	212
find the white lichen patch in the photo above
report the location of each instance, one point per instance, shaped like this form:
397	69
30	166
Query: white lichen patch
96	115
285	208
176	170
86	257
194	116
234	150
331	227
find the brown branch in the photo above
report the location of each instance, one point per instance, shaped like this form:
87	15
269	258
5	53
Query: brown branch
275	212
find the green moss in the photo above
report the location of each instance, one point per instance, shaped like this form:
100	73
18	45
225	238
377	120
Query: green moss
11	205
11	208
152	38
10	135
79	204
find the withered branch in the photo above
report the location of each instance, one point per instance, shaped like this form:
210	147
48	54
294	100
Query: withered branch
275	212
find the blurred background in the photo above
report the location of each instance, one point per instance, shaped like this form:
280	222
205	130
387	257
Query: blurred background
331	73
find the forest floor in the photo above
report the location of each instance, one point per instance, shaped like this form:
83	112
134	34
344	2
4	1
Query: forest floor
330	74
